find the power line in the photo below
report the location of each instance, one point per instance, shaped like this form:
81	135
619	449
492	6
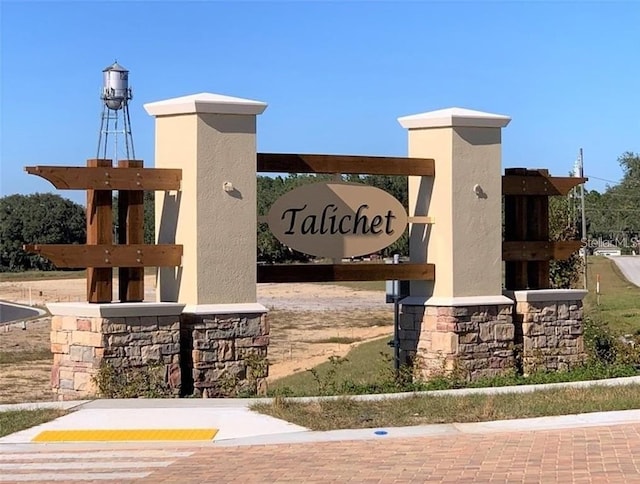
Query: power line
617	183
601	179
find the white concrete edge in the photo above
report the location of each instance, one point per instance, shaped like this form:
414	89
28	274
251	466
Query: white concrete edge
452	118
113	310
375	433
64	405
340	435
239	308
552	422
456	301
547	295
207	103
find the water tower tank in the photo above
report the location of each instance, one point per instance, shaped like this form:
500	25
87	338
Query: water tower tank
115	86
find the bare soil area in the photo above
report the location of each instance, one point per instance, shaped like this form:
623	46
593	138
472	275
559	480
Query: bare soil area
25	362
309	323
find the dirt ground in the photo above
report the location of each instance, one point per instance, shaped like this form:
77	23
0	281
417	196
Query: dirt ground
309	323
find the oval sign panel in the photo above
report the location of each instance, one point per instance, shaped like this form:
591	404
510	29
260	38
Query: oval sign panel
337	219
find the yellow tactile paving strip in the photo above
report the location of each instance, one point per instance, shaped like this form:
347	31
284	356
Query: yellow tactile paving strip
124	435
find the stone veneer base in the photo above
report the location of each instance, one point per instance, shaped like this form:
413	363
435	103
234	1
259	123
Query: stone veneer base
549	325
482	336
224	349
129	335
474	338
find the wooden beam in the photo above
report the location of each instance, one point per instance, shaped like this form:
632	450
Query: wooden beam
99	231
361	165
421	219
108	177
131	231
539	251
539	185
109	255
345	272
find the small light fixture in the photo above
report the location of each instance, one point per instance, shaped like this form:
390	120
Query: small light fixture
479	191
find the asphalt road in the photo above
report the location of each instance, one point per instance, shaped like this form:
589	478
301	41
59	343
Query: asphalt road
10	312
630	267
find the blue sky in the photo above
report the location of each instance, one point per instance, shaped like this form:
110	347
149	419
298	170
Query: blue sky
336	75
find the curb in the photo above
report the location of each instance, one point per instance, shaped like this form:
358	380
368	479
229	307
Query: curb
136	403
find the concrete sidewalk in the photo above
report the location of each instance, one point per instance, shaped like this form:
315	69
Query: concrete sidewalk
231	422
151	421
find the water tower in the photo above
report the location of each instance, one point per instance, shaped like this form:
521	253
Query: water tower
115	121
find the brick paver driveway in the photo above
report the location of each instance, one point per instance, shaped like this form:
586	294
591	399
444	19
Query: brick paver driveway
606	454
597	454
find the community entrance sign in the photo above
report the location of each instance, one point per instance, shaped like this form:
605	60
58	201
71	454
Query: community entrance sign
337	220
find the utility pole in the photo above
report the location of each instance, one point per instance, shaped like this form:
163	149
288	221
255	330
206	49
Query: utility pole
584	221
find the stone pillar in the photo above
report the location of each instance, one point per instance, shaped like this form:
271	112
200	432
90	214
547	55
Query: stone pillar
549	328
460	320
127	336
224	333
212	138
224	350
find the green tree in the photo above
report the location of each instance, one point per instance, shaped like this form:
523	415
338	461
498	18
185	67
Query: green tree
563	225
41	218
613	215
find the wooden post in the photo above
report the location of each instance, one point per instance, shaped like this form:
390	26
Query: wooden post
515	213
526	219
131	231
99	231
538	271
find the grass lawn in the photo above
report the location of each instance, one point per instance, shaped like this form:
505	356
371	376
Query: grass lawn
16	420
420	410
619	299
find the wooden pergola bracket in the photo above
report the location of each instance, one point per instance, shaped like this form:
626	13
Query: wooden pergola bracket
108	177
104	255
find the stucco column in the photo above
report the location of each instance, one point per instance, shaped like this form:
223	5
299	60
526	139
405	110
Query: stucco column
464	198
212	138
461	321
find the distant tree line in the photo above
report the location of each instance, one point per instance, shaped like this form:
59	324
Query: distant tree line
45	218
42	218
